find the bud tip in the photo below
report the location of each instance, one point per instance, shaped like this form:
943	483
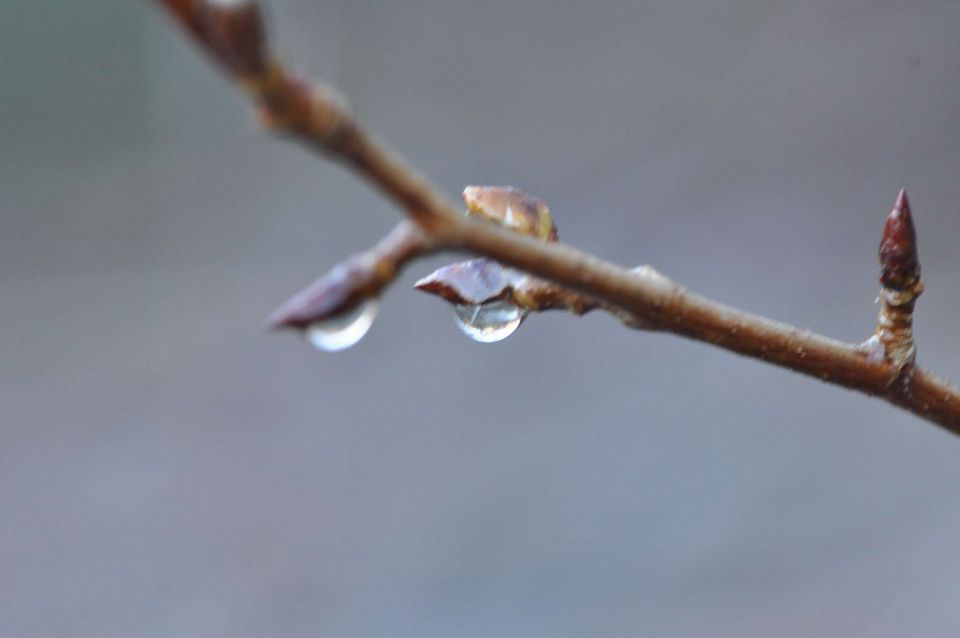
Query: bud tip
898	248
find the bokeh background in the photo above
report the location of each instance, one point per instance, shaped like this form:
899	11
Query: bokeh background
170	468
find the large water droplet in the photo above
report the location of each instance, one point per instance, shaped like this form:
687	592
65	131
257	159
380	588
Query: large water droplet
489	322
343	330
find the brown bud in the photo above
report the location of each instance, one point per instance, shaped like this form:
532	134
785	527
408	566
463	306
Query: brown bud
900	265
237	37
482	280
513	208
337	292
472	282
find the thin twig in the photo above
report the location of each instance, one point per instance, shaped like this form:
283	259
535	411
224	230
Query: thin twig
232	32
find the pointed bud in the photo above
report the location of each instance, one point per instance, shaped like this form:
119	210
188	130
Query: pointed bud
235	30
230	31
471	282
898	248
337	292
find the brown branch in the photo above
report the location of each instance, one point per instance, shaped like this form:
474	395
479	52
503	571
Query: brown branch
231	32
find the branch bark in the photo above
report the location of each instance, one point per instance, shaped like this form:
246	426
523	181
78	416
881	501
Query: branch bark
232	32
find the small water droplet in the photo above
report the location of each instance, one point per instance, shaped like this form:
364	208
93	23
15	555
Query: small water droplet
343	330
489	322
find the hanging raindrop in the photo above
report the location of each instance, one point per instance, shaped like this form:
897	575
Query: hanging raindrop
344	330
489	322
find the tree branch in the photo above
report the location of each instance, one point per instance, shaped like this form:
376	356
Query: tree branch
232	32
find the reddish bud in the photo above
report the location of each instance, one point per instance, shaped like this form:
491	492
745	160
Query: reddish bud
236	34
337	292
481	280
898	248
471	282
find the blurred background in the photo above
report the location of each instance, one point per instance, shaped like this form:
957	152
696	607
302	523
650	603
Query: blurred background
170	468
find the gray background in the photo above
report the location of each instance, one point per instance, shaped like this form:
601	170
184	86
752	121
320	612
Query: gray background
168	468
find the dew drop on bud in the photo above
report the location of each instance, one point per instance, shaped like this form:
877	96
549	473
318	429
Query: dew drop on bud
488	322
343	330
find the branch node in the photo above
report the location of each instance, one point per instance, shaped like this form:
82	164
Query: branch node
311	111
484	280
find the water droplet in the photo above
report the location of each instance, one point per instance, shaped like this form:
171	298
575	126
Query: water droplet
343	330
489	322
